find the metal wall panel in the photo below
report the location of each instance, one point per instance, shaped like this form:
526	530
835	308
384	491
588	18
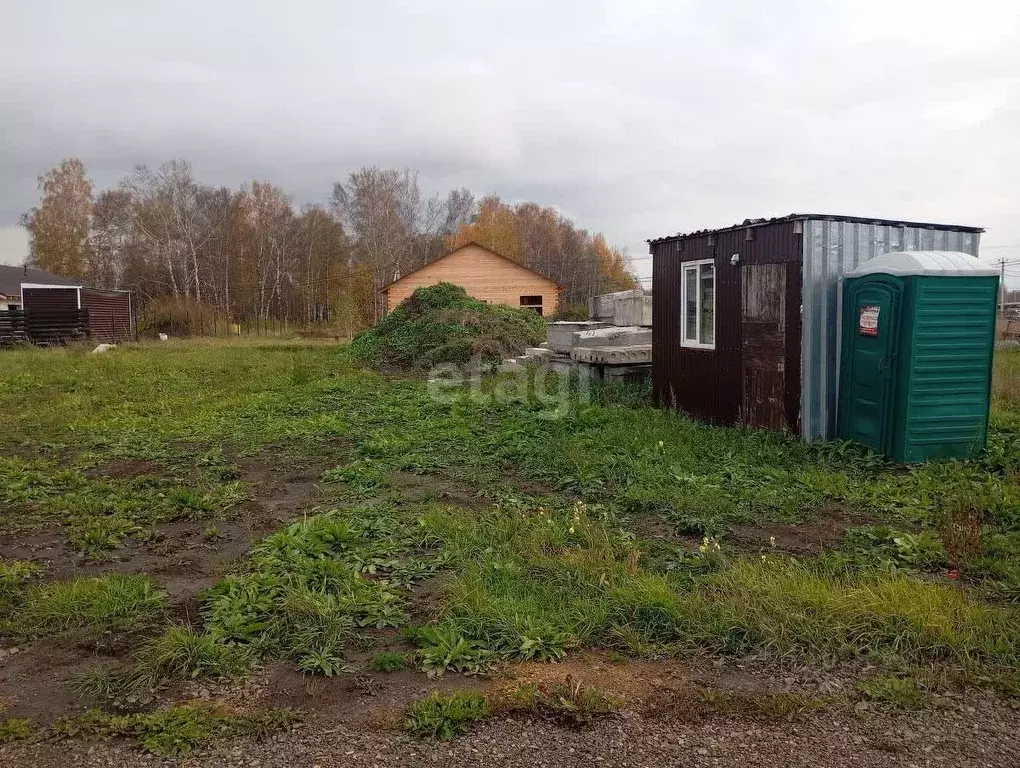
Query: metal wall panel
831	249
708	384
45	299
109	315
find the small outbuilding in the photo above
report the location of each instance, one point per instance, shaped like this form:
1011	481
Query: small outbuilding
918	334
746	318
485	275
56	313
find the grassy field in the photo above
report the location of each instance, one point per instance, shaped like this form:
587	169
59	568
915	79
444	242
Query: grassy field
207	511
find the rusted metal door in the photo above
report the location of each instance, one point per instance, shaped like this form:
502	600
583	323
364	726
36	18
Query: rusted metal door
763	349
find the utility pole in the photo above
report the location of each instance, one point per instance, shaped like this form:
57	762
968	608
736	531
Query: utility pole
1002	286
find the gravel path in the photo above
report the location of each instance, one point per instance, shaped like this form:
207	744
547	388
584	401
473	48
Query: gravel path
983	732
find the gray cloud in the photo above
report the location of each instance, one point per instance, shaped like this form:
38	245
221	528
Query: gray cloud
635	118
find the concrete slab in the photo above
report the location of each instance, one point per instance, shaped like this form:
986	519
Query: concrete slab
633	310
538	353
603	307
560	334
632	355
613	337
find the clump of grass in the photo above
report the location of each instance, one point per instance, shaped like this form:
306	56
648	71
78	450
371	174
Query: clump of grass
1005	393
16	729
904	692
877	547
535	583
788	609
14	575
169	732
364	477
446	715
570	702
95	536
174	731
184	653
113	601
530	583
309	588
389	661
443	648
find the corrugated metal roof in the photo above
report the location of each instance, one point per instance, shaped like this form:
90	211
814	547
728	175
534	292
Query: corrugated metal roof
946	263
819	217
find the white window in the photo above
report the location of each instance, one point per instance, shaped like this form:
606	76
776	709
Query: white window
698	302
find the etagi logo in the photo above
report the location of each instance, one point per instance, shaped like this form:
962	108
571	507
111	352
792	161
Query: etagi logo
553	395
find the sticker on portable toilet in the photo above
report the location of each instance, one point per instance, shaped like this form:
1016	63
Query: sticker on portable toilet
869	320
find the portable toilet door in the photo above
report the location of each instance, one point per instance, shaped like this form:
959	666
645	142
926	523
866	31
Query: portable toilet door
918	333
871	329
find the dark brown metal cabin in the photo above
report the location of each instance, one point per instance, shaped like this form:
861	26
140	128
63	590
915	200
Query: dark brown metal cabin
99	316
737	372
744	322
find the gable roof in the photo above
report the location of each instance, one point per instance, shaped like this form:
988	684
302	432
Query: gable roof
462	247
11	278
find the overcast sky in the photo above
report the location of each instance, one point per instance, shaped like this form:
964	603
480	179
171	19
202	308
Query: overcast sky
636	118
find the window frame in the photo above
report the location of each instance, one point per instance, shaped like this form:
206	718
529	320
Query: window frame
695	266
529	302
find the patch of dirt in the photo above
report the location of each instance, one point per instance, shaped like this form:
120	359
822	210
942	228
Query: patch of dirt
126	469
36	681
984	737
650	526
184	557
427	593
360	697
824	531
634	681
280	489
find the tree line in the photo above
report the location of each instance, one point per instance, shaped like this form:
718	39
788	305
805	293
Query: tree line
249	253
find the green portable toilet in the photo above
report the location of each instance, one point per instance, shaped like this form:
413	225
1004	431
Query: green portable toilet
918	332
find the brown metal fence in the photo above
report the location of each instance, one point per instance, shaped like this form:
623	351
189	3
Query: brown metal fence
43	327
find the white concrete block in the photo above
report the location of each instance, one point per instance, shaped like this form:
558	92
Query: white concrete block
560	334
613	337
633	310
632	355
603	307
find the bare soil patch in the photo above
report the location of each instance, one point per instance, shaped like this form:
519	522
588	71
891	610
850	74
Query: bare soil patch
126	469
184	557
823	531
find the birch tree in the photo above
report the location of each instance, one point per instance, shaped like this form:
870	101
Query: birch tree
59	227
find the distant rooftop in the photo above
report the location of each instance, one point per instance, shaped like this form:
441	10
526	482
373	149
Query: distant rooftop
11	279
816	217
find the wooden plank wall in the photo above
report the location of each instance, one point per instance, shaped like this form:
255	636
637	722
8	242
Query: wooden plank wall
484	275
